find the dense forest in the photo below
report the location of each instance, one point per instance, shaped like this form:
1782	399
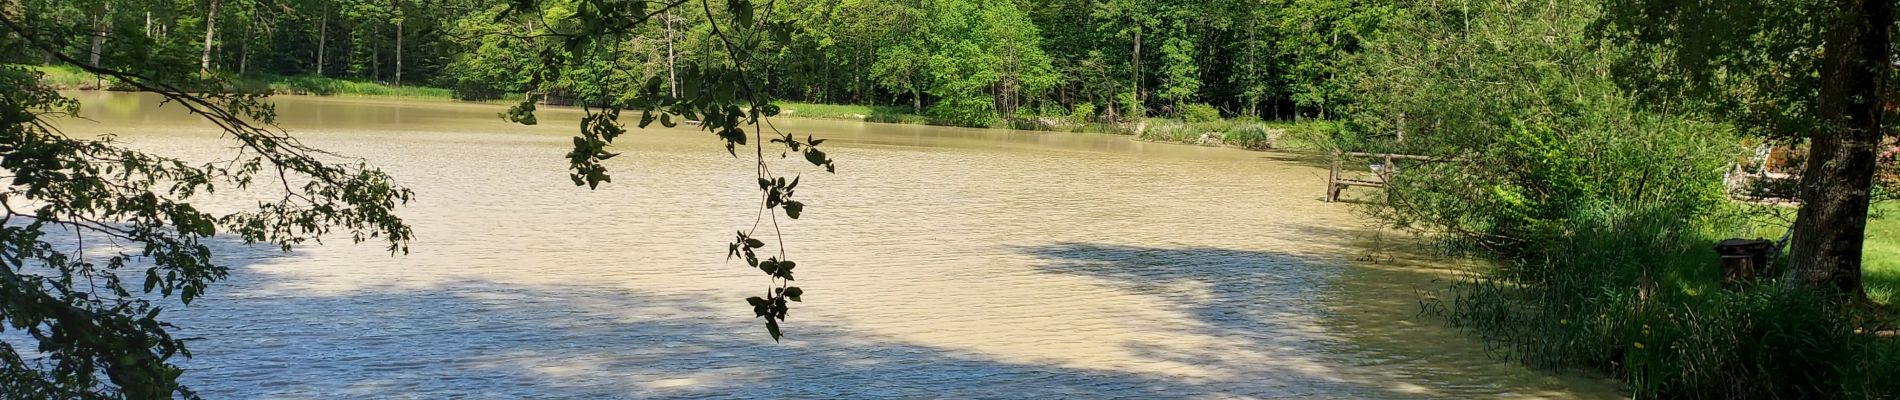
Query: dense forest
966	61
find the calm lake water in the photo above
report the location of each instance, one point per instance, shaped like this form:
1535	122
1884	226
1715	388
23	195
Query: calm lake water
938	262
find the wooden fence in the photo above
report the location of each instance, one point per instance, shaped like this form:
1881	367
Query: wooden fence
1337	181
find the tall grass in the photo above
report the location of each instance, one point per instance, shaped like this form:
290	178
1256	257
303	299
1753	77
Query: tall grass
1169	130
324	86
62	77
1635	293
1253	135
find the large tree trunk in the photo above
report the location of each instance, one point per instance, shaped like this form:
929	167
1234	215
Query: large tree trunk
99	35
211	33
1832	224
323	36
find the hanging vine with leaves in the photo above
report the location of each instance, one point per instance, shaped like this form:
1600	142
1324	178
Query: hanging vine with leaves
726	100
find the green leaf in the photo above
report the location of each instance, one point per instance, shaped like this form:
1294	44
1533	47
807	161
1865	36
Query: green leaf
793	293
793	208
815	156
151	279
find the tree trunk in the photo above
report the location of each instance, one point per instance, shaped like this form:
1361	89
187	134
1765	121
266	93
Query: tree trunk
1253	69
211	33
98	35
398	80
1832	224
375	52
244	48
1140	104
672	74
323	35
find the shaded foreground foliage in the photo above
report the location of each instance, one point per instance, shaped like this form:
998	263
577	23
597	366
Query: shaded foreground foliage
1598	206
93	313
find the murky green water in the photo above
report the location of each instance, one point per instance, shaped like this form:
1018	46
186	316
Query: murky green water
938	262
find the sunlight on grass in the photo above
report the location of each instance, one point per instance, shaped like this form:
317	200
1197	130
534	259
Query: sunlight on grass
1881	257
856	112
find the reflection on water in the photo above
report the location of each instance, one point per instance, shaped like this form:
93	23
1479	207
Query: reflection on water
938	262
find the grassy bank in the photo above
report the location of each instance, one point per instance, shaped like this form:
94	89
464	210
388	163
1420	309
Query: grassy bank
904	115
1248	134
855	112
69	78
1231	132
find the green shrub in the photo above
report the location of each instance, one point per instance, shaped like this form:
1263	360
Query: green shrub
965	110
1252	135
1132	109
1083	114
1199	112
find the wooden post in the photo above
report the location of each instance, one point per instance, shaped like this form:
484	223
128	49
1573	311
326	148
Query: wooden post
1332	181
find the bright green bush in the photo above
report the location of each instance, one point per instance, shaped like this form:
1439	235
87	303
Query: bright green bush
1199	112
1084	113
1132	109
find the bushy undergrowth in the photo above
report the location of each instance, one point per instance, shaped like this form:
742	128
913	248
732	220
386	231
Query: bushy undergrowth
1252	135
1600	214
1199	112
1636	294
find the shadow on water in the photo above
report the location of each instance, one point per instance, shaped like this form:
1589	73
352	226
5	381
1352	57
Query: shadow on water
1241	291
1255	316
487	338
1349	330
585	342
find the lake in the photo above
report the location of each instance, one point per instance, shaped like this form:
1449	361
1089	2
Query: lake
937	262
